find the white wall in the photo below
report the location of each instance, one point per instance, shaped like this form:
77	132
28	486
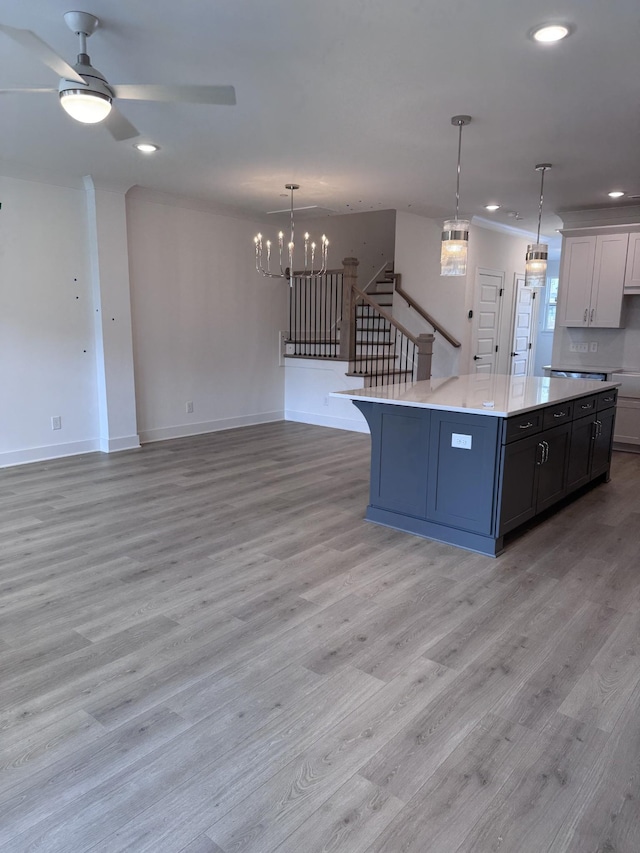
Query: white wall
205	324
308	384
369	237
449	299
47	356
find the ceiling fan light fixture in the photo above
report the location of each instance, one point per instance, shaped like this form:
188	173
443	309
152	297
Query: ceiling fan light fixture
85	106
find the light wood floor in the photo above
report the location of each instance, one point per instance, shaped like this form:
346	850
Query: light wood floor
205	648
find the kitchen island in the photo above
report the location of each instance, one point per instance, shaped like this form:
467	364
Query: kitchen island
467	459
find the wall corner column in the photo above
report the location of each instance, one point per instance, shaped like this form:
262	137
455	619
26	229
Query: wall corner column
109	262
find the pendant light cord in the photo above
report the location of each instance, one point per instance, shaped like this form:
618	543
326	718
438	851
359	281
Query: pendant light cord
460	126
543	170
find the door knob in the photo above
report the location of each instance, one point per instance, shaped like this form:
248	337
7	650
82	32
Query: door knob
477	358
515	353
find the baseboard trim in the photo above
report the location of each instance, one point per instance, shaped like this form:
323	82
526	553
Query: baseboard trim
327	421
184	430
113	445
51	451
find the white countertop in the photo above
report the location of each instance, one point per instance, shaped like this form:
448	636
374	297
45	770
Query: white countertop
497	394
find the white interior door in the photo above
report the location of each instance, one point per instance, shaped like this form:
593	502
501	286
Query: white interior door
486	321
524	325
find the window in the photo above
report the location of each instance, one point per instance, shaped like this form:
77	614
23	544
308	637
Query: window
550	305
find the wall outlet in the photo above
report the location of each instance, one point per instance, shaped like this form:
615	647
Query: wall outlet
189	407
56	422
593	346
460	440
578	347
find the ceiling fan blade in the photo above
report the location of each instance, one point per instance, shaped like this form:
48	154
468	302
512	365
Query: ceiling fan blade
12	91
119	127
31	42
220	95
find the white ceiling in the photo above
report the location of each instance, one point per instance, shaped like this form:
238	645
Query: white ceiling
352	99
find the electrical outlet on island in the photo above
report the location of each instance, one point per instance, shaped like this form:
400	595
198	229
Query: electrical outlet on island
593	346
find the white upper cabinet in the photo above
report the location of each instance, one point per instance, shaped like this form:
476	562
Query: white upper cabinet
592	280
632	275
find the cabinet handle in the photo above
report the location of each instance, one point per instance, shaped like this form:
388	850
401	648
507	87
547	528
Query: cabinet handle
541	460
525	426
608	399
597	432
586	406
546	452
559	414
593	311
586	314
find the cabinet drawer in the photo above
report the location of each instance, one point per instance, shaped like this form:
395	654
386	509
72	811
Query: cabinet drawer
555	415
607	399
523	425
584	406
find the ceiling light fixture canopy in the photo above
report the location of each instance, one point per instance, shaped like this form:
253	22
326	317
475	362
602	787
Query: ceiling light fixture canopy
309	252
455	232
535	271
616	194
88	102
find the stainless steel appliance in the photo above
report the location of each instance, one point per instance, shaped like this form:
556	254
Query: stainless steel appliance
578	374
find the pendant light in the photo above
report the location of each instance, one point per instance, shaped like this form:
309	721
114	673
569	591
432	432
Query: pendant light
455	232
535	271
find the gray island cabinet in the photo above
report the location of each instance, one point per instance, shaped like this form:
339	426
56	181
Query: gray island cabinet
467	459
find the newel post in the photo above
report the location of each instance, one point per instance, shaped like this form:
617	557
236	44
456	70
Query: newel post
348	321
425	351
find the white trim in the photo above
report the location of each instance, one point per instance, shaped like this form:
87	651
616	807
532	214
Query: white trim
326	421
51	451
184	430
114	445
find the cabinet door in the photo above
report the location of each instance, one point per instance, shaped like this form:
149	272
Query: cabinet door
552	473
399	452
520	461
601	454
607	289
576	277
582	437
632	272
463	463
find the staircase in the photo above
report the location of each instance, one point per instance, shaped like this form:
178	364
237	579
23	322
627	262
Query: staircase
377	360
332	318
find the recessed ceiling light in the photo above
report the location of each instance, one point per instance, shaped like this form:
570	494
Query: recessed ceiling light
548	33
616	194
492	207
147	147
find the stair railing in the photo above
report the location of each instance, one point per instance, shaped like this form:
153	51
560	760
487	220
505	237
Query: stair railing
315	309
382	350
411	302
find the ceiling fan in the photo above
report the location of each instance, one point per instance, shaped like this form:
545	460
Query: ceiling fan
87	95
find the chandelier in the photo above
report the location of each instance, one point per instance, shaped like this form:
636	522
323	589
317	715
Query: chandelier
535	270
455	232
264	251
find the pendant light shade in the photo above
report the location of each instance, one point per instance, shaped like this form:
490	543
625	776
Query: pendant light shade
455	232
535	270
